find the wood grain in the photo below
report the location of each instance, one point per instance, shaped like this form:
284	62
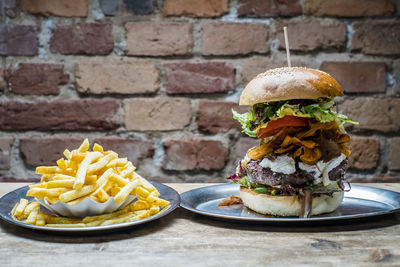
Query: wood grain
183	238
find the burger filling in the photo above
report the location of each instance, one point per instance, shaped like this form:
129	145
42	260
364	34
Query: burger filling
262	114
303	148
284	176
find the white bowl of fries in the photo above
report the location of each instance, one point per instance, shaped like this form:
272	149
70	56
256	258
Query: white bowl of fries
88	183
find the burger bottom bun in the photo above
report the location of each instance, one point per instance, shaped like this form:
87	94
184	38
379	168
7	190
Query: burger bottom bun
287	205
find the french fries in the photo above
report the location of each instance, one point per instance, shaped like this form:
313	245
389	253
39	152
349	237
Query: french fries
31	214
99	175
21	207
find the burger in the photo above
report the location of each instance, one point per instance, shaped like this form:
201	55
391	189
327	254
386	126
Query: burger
299	167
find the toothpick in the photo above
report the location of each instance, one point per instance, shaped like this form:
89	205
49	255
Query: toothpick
287	46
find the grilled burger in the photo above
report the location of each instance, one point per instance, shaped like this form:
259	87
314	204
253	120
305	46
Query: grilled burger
299	167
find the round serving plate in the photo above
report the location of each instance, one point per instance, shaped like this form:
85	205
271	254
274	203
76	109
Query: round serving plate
359	202
8	201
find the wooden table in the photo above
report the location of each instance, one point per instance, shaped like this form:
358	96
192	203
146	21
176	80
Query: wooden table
186	239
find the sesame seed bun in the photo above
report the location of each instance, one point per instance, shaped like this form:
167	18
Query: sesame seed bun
289	83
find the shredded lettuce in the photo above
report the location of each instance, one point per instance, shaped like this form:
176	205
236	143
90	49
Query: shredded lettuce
245	120
269	110
264	112
244	181
324	115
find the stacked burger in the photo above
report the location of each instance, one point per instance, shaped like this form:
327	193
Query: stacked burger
299	167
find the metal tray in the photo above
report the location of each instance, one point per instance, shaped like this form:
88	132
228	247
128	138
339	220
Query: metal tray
359	202
8	201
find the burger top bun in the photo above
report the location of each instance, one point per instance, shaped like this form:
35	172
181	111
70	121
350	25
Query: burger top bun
289	83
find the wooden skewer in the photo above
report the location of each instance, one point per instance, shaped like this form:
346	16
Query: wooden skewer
287	47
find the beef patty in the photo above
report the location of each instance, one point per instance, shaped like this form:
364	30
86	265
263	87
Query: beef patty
266	176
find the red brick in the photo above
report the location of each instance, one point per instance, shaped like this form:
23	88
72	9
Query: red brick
133	148
216	116
376	37
268	8
349	8
394	154
234	38
374	114
312	34
195	8
254	66
358	77
211	77
18	40
157	114
86	114
121	77
5	152
364	153
61	8
243	145
36	79
46	151
81	38
192	154
151	38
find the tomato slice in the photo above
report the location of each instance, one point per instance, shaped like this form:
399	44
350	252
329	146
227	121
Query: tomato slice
287	121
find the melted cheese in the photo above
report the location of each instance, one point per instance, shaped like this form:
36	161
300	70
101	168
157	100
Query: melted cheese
286	165
246	159
321	170
282	164
287	111
312	169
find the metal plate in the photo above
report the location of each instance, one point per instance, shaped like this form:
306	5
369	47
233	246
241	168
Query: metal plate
359	202
8	201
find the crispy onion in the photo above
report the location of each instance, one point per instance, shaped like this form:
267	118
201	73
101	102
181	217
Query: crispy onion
304	144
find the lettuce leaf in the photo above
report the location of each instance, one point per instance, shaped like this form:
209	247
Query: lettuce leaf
260	113
245	182
268	110
245	120
318	112
264	112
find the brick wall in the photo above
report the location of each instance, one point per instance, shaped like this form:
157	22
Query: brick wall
156	80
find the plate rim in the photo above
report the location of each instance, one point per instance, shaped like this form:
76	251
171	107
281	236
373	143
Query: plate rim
277	219
6	217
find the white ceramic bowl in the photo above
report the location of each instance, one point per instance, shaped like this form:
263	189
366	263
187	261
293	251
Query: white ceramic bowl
87	207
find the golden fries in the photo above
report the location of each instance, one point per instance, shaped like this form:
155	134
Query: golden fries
101	163
31	214
77	193
125	191
82	170
21	207
99	175
44	192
